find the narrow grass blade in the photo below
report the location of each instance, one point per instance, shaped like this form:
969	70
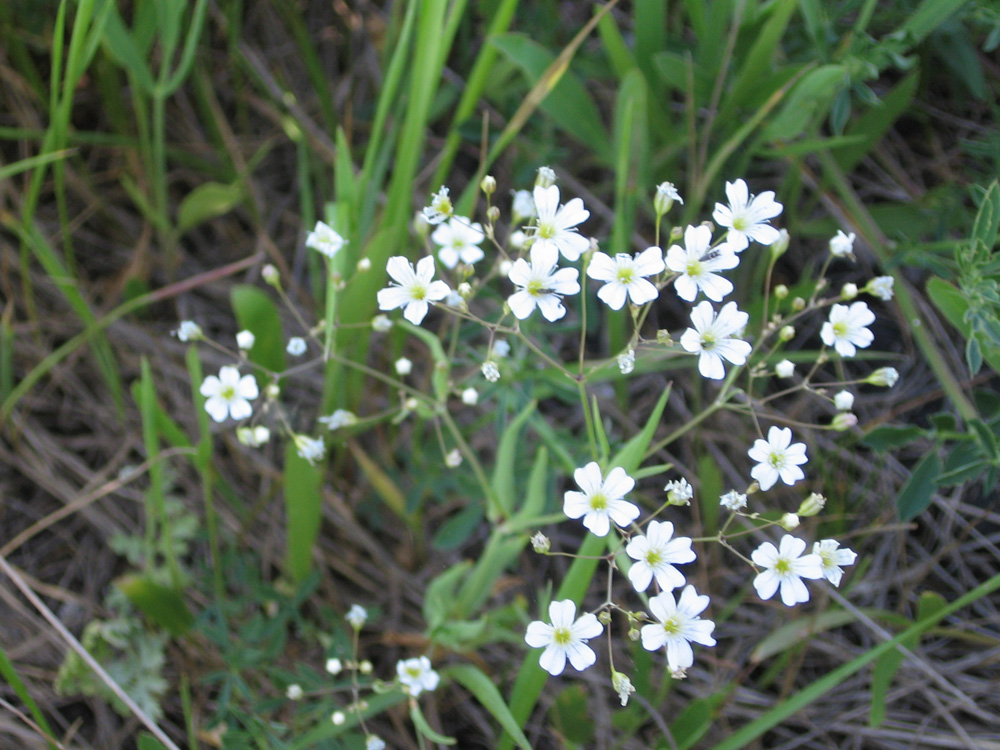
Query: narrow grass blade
303	512
482	687
11	677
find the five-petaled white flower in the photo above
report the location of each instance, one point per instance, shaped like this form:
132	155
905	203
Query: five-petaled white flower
459	240
554	226
778	458
713	338
656	554
747	216
311	449
785	566
845	330
416	675
881	287
679	625
831	558
697	263
602	499
441	207
356	616
188	331
567	636
296	346
733	500
541	284
842	244
415	289
229	395
324	239
624	275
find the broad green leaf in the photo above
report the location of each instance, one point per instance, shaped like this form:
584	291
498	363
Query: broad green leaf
889	436
208	201
485	691
149	742
632	454
303	512
161	604
930	15
257	313
534	501
919	489
439	598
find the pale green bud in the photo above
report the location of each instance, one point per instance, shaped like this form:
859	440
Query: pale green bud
489	184
811	505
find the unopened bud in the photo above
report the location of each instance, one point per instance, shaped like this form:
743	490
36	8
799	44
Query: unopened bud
844	420
812	505
798	304
493	214
540	543
789	521
884	376
780	246
365	264
489	184
849	291
663	337
781	291
787	333
270	275
665	196
604	616
546	177
622	685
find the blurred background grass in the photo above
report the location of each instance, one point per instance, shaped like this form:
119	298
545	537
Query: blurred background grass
157	154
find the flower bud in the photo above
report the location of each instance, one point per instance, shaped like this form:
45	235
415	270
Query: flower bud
604	617
293	692
490	371
842	245
403	366
271	276
381	323
844	400
844	420
421	226
470	396
812	505
884	376
798	304
546	177
626	362
679	492
493	214
516	240
789	522
880	287
245	340
784	369
787	333
665	196
540	543
780	291
523	206
334	666
676	233
488	184
780	246
365	667
849	291
338	718
272	391
365	264
454	459
663	337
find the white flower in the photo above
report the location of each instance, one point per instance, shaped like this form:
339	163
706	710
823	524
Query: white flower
441	207
602	498
844	400
697	263
374	742
296	346
416	675
733	500
846	330
665	196
626	362
470	396
540	543
555	224
656	553
459	240
453	459
784	369
324	239
622	685
381	323
842	244
885	376
713	338
848	291
415	288
625	275
311	449
501	348
334	666
540	284
293	692
789	521
364	265
188	331
881	287
778	458
523	206
229	395
747	216
679	625
565	638
253	437
831	558
546	176
679	491
356	616
403	366
517	238
244	340
338	718
340	418
490	371
785	567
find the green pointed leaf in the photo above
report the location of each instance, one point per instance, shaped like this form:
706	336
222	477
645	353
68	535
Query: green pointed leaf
919	489
417	717
303	512
161	604
208	201
485	691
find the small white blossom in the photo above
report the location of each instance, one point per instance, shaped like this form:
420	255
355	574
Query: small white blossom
831	558
626	362
311	449
665	196
540	543
245	340
338	718
381	323
746	217
188	331
374	742
270	274
622	685
812	505
784	369
517	238
679	491
842	245
785	567
365	667
296	346
459	240
848	291
501	348
490	371
253	437
844	420
470	396
778	458
698	263
229	395
881	287
364	265
555	224
546	177
626	276
566	637
602	499
441	207
415	288
845	330
884	376
272	391
356	616
540	284
655	554
733	500
844	400
340	418
403	366
789	521
714	338
293	692
523	206
679	625
453	459
334	666
416	675
324	239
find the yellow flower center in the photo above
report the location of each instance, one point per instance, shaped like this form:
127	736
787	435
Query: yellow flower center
782	566
535	288
671	626
653	557
561	636
598	502
708	341
418	292
546	230
228	392
626	275
840	328
693	268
